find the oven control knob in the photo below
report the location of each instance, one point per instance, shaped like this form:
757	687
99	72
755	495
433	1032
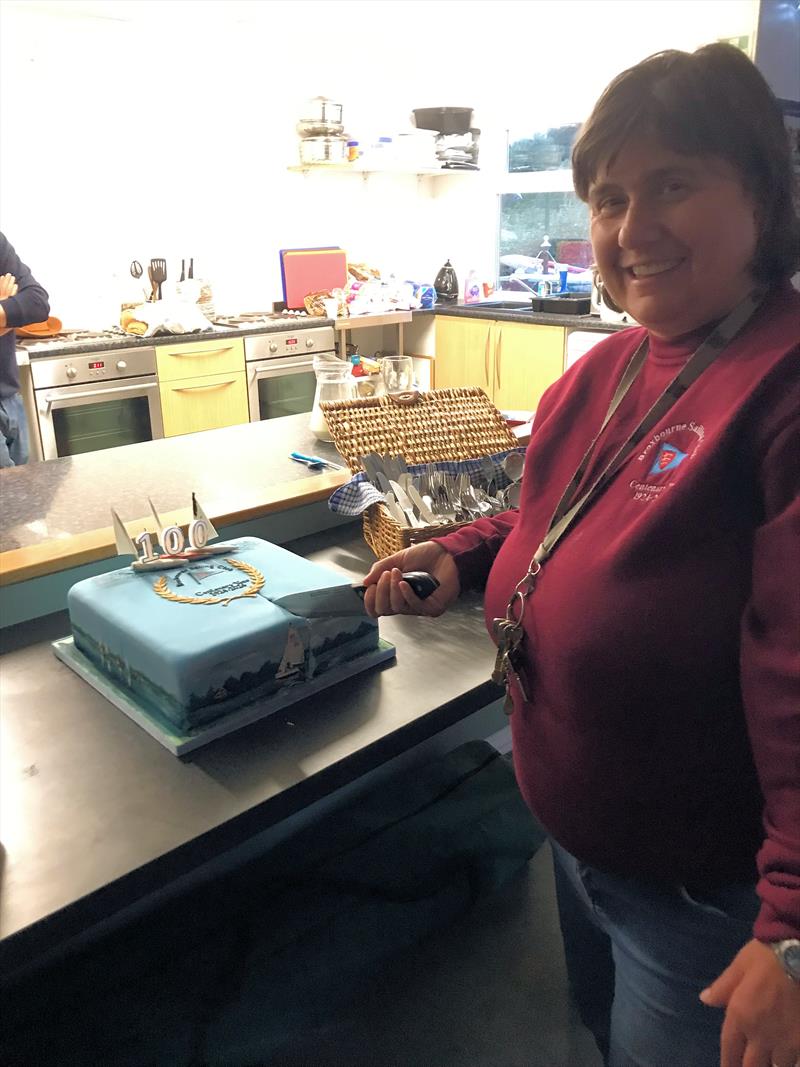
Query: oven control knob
309	343
273	347
71	372
122	365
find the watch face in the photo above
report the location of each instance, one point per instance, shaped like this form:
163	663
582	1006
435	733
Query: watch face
791	960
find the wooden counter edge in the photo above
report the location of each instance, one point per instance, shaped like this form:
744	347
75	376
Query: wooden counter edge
60	554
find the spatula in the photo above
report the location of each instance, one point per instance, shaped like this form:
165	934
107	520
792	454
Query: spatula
159	273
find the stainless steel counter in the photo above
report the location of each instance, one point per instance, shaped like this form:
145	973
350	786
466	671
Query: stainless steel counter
96	815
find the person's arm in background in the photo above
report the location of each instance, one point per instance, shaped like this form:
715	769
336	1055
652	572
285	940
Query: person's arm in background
30	303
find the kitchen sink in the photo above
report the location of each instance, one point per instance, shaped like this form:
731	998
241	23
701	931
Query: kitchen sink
539	305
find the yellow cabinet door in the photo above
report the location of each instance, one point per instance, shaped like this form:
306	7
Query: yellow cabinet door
205	403
192	358
464	353
527	359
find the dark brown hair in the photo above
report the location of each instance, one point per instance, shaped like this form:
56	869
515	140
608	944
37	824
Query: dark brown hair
712	102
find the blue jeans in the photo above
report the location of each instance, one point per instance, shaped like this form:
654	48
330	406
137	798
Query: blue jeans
13	432
638	955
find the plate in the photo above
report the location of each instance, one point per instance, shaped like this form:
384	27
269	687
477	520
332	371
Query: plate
41	329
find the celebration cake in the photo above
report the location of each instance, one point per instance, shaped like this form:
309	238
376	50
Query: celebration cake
199	640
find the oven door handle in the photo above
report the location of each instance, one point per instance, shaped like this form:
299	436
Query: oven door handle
194	388
73	398
268	369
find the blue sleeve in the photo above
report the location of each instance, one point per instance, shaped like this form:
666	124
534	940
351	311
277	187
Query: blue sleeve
31	304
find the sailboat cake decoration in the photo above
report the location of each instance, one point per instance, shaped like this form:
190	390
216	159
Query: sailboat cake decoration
167	548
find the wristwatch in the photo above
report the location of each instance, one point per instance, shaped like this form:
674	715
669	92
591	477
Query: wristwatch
788	953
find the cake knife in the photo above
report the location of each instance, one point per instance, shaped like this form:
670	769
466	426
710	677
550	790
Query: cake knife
346	599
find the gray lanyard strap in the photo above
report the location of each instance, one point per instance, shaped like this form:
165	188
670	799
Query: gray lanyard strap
511	663
566	514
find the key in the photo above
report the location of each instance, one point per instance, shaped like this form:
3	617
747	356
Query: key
516	668
503	630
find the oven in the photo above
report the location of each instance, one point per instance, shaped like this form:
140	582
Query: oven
95	400
280	370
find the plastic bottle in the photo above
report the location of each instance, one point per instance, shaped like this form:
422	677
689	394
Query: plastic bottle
546	257
472	288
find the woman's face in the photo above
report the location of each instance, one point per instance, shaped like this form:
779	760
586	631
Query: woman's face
673	236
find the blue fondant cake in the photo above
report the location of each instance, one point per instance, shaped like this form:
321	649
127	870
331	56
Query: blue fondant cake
199	641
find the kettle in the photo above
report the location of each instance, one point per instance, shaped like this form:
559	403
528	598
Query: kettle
446	283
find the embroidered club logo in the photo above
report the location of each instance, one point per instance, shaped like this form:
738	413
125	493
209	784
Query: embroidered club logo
667	458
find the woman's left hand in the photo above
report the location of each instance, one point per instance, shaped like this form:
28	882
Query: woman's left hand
762	1010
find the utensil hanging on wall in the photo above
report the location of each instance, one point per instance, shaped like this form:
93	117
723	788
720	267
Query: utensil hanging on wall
159	275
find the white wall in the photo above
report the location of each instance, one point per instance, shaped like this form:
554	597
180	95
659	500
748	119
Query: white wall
165	127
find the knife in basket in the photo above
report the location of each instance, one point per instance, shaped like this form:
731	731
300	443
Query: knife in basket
346	599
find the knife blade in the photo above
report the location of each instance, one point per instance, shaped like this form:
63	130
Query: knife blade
346	599
405	503
422	508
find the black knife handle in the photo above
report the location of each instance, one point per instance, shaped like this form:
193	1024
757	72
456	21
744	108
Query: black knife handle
421	582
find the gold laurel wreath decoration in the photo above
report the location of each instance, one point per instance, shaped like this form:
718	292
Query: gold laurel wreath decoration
256	584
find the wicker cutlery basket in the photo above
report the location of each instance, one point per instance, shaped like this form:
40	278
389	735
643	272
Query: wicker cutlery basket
440	425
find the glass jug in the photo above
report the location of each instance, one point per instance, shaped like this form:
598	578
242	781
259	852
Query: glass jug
334	382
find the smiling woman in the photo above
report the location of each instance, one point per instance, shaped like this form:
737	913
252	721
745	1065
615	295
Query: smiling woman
685	166
649	643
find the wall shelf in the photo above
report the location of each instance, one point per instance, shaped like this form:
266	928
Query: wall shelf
355	168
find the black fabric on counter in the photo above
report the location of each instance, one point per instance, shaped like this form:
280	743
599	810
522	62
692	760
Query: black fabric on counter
232	970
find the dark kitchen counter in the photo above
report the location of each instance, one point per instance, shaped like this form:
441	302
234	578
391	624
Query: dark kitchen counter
101	816
124	340
538	318
472	311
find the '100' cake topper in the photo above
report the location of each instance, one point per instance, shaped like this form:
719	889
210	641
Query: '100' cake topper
171	541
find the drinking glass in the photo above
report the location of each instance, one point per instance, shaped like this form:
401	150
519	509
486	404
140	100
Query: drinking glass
397	373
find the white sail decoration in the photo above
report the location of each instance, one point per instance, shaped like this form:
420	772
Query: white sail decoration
197	511
159	523
124	541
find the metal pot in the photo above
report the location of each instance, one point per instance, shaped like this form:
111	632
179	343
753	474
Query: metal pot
313	128
323	150
321	109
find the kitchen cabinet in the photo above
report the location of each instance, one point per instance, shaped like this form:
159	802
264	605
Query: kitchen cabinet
199	357
204	402
513	362
202	385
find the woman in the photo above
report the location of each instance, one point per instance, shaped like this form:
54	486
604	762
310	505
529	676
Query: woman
655	665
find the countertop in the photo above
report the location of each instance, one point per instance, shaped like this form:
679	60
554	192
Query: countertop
479	311
538	318
124	340
97	814
56	515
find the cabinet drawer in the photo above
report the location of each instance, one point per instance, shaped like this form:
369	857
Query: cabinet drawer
191	358
204	403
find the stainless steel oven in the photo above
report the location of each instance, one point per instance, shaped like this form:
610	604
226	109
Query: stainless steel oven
280	370
95	400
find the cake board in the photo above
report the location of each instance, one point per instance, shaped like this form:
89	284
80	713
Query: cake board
180	744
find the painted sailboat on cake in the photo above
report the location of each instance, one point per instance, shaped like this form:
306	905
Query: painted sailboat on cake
172	549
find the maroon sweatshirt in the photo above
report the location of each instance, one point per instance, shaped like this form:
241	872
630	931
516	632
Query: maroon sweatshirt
662	735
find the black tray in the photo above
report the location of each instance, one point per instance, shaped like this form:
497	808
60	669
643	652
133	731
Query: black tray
562	305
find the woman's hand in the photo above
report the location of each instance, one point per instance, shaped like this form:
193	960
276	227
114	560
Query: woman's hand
388	594
762	1010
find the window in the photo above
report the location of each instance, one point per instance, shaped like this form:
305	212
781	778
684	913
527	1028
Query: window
538	200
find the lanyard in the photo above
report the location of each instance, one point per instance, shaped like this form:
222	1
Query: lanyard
569	510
